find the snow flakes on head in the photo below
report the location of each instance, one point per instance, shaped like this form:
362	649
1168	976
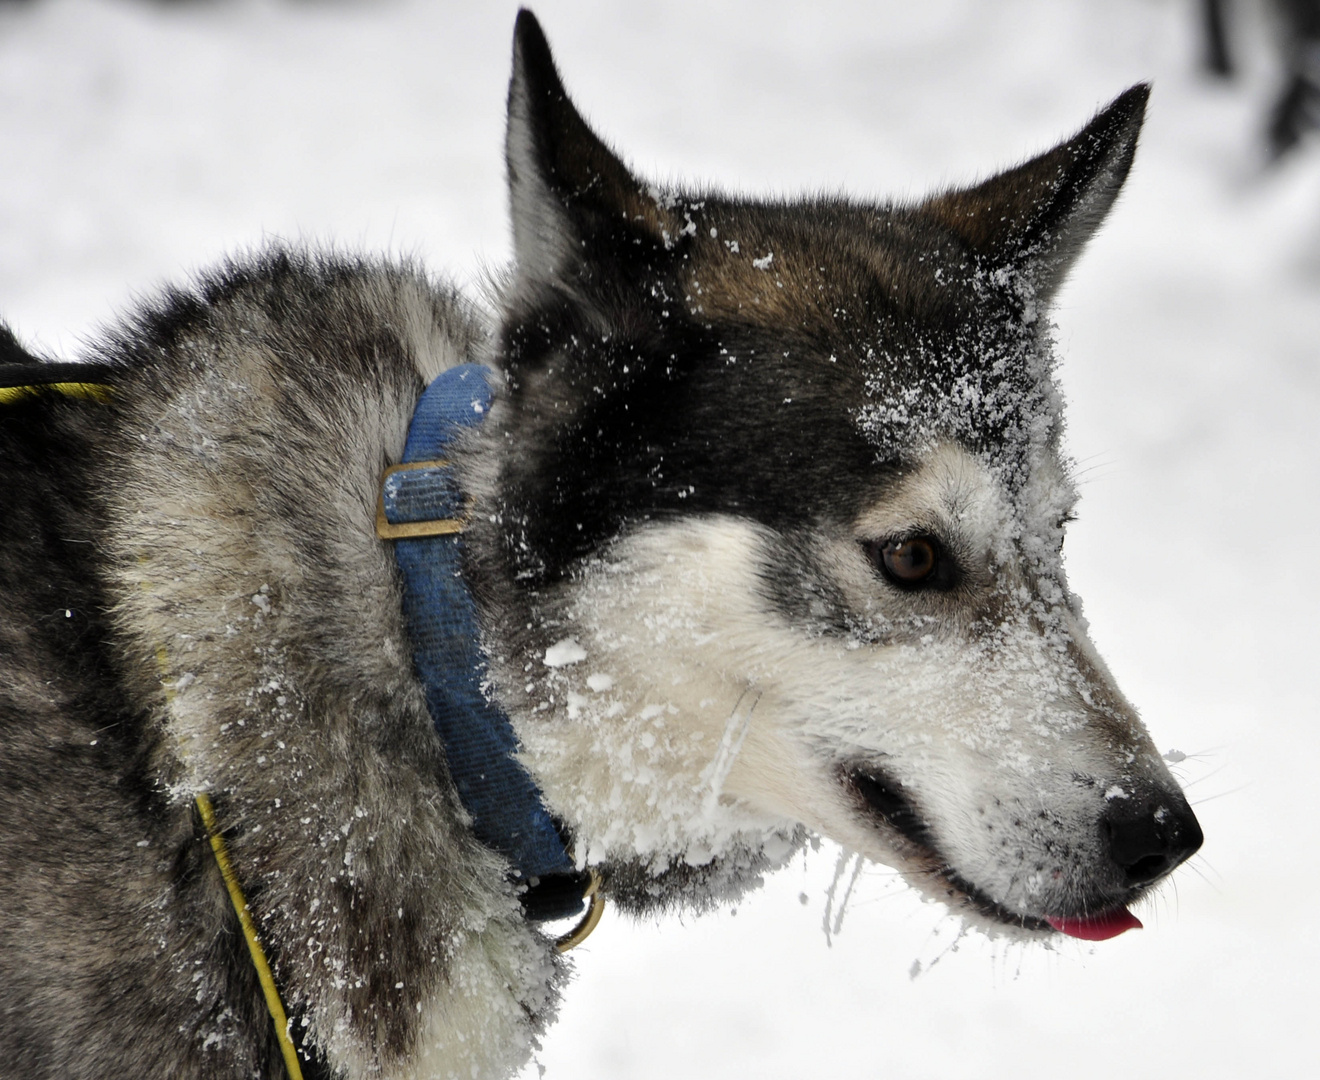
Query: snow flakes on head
986	382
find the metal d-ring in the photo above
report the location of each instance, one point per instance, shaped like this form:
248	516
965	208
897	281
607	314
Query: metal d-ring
595	909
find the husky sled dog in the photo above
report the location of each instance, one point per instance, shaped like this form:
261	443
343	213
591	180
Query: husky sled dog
761	510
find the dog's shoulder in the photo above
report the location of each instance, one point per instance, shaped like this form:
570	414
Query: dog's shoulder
218	511
254	412
296	321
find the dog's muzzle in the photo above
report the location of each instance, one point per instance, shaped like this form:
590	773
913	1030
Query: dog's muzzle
1142	833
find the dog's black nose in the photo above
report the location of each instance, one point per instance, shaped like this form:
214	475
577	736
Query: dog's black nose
1148	833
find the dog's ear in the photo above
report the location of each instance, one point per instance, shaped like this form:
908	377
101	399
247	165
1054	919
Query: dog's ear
567	189
1036	218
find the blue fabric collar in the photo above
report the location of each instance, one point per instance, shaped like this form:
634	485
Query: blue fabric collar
506	807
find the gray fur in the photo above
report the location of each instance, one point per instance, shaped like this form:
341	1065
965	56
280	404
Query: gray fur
256	637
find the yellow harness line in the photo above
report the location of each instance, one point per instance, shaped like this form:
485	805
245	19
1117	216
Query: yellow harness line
271	992
268	987
275	1006
87	390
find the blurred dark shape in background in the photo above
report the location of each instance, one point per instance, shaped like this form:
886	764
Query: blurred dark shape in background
1217	58
1296	110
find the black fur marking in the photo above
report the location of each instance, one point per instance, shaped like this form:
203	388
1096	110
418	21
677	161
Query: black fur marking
887	798
803	593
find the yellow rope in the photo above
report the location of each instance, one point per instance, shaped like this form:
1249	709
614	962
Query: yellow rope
268	988
259	961
90	391
221	850
99	392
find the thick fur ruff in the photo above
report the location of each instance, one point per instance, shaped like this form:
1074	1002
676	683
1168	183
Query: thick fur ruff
766	541
221	617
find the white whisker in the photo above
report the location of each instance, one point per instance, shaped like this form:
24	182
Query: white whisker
735	732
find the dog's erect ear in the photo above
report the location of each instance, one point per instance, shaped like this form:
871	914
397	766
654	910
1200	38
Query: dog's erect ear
565	185
1036	218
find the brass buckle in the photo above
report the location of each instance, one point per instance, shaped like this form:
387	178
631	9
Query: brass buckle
437	527
595	909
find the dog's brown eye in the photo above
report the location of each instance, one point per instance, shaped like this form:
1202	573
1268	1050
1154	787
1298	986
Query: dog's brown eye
915	562
909	561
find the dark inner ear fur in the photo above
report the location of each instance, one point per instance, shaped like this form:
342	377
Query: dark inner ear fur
1037	217
565	185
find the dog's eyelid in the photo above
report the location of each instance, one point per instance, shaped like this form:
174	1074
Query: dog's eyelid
906	534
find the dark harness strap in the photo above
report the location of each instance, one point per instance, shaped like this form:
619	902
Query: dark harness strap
18	373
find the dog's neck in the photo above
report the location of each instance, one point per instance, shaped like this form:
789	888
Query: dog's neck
423	513
663	837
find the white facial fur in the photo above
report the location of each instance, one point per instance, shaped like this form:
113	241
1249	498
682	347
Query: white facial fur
688	711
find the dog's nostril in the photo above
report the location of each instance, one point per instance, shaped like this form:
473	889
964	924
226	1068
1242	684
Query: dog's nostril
1147	868
1148	837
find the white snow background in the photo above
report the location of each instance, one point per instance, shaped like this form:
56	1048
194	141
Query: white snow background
140	141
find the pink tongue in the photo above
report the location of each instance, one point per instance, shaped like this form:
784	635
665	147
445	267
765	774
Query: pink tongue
1097	927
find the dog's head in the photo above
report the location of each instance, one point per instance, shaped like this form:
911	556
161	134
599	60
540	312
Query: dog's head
785	522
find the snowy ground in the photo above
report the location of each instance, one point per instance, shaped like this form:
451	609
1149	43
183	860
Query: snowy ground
140	141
